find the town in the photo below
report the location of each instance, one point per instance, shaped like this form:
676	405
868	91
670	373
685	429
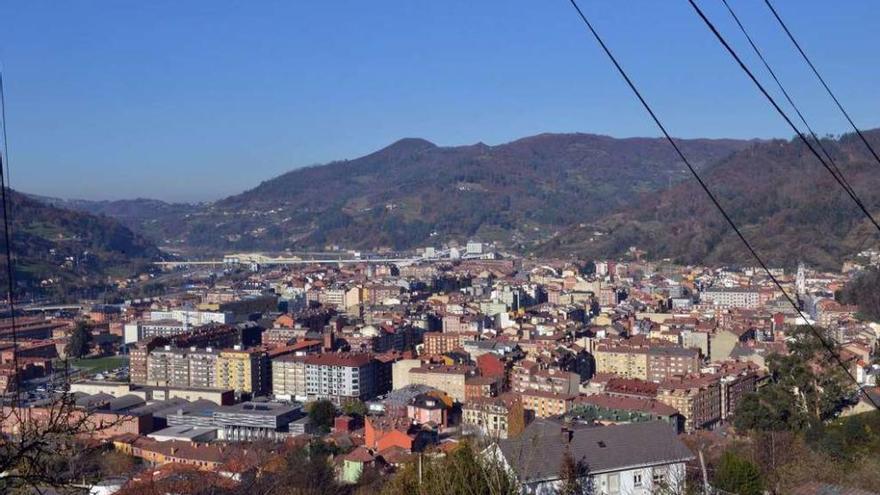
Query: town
638	369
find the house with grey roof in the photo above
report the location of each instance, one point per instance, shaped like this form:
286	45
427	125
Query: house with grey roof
630	459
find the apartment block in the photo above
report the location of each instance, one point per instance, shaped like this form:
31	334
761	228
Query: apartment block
289	378
697	398
622	361
666	362
341	377
450	379
437	343
243	371
733	297
547	404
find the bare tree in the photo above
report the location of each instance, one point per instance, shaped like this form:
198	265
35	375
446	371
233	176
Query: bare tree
39	445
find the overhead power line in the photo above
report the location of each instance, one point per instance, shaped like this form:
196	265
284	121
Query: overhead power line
788	97
785	117
4	199
822	80
825	343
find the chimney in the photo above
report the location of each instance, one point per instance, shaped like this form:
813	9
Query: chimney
567	434
328	339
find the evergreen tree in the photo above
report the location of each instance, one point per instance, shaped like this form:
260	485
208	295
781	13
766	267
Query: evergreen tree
80	338
322	413
807	387
738	475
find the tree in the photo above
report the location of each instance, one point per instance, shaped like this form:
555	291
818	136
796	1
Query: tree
355	408
302	470
115	463
80	338
42	450
589	268
570	473
807	387
738	475
322	413
462	471
864	292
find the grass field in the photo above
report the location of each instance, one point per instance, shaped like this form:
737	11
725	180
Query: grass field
99	365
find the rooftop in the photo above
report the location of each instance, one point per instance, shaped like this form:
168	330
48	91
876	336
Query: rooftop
536	455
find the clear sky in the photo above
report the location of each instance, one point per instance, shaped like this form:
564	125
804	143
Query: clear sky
194	100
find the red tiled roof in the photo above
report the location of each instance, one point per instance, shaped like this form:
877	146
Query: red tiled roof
345	359
360	454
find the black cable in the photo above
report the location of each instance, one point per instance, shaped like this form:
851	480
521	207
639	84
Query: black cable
788	97
712	197
781	112
10	281
822	80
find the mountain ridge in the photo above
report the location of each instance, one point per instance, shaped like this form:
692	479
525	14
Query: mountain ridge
788	206
62	249
413	192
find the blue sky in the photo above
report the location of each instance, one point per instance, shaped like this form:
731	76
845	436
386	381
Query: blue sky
196	100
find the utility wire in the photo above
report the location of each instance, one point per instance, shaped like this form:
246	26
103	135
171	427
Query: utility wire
821	80
10	281
781	112
788	97
712	197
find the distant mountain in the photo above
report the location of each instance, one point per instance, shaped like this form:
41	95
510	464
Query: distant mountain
414	193
786	203
133	213
73	248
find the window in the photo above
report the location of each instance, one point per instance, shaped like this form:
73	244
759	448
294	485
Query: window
637	479
614	484
659	477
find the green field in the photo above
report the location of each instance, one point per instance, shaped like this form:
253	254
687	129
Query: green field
99	365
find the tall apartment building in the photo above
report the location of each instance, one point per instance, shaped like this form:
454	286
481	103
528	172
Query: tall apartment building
341	377
622	361
376	293
243	371
175	367
654	363
524	378
216	336
737	380
332	297
283	335
547	404
666	362
442	342
289	378
139	359
192	318
142	330
697	398
733	297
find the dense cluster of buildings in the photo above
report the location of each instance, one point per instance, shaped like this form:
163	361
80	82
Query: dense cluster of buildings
420	353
